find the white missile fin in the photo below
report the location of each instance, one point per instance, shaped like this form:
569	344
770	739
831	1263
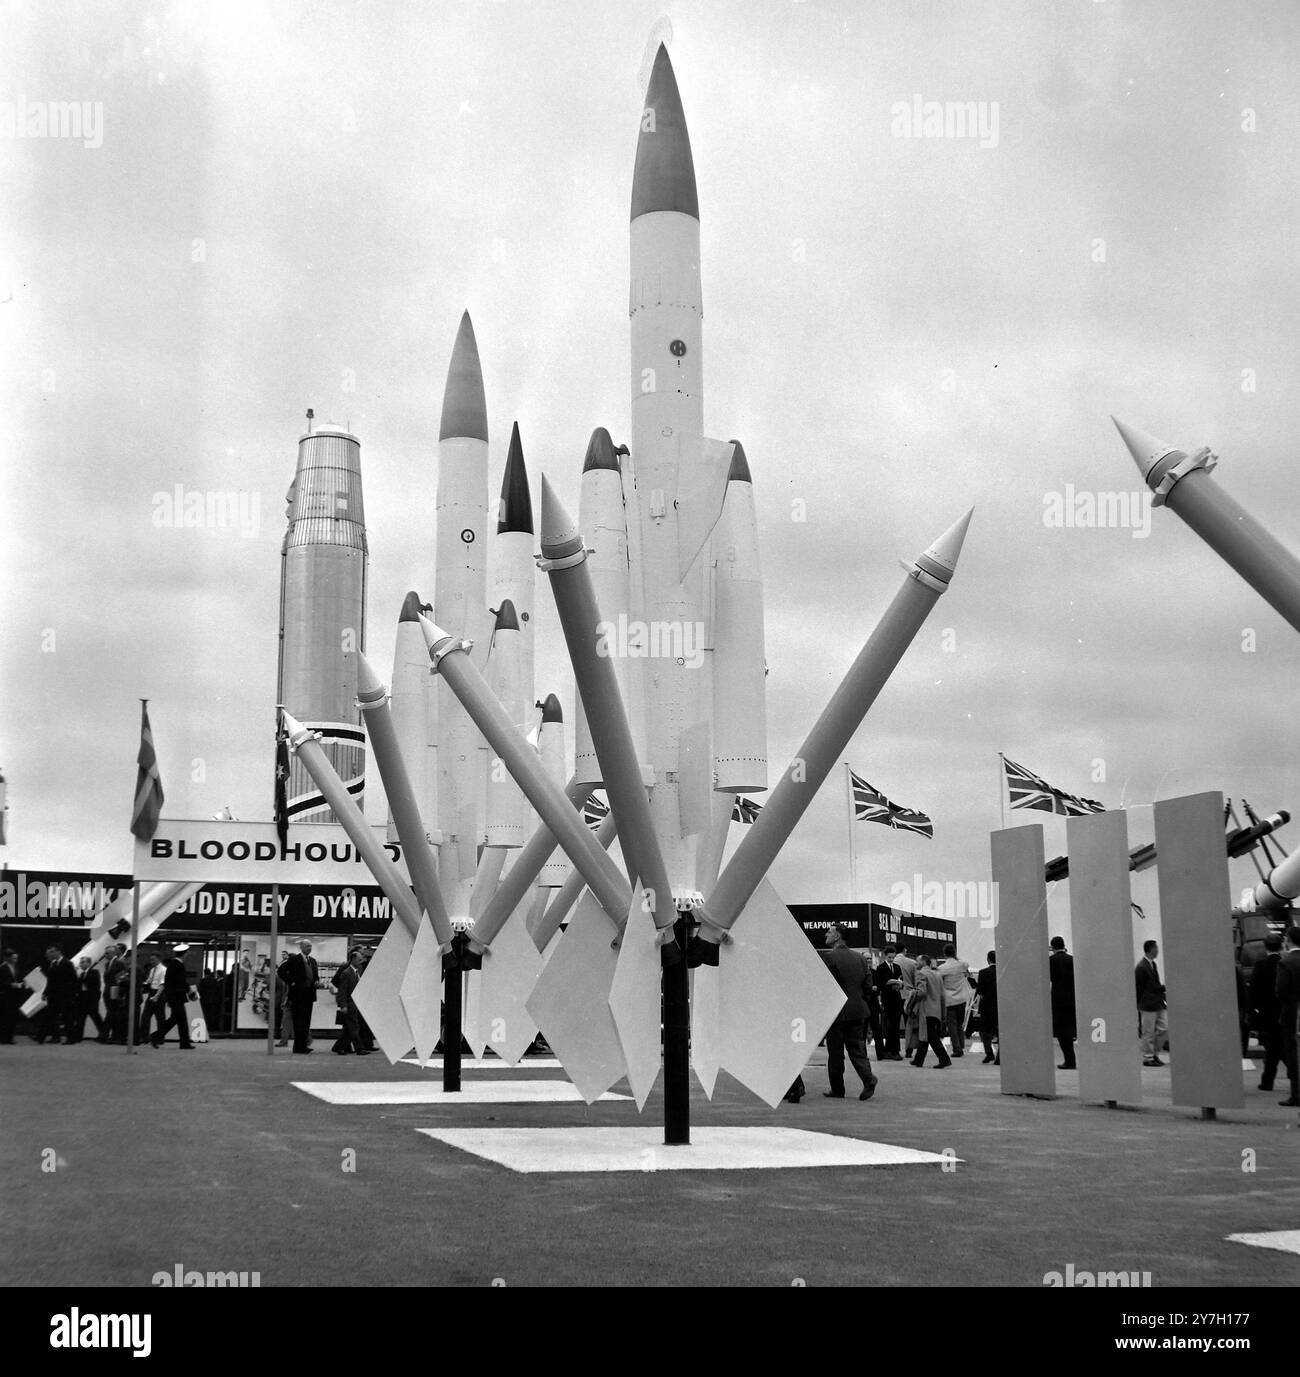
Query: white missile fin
705	1032
695	779
776	998
634	1001
702	469
421	991
378	995
571	1002
496	997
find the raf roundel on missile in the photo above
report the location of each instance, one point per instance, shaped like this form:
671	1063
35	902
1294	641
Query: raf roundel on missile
323	612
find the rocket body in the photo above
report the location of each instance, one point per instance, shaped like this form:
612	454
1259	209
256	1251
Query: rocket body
667	392
322	611
460	606
414	711
506	809
1282	887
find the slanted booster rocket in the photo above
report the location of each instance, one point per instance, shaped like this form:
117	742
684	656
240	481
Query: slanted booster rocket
323	611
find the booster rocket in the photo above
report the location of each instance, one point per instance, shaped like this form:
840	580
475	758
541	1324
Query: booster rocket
323	611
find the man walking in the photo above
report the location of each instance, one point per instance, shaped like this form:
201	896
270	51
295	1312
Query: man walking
302	975
987	988
1060	969
11	998
1151	1004
60	998
847	1032
1264	1008
930	1010
1288	999
956	995
889	984
173	995
345	982
88	989
908	967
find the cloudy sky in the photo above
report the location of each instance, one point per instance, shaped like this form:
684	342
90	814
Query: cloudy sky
290	205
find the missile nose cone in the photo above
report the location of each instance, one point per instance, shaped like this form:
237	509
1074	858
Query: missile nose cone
464	408
1146	450
293	729
433	633
739	471
411	608
507	617
551	710
664	178
600	452
370	687
940	559
516	503
559	535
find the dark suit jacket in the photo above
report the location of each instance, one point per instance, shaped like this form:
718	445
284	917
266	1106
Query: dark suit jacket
301	976
1288	986
854	976
1263	989
1060	968
987	985
175	981
61	982
11	986
1150	989
90	987
882	975
344	983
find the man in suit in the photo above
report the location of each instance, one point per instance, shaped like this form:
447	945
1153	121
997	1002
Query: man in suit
986	984
908	967
889	984
302	976
88	989
1288	999
1151	1004
955	975
931	1009
60	998
174	993
1060	971
345	982
11	994
116	976
847	1032
1264	1008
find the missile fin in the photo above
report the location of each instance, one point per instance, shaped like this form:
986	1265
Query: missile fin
703	468
634	1001
421	991
378	993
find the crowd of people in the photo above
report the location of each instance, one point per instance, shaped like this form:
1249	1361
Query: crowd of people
908	1006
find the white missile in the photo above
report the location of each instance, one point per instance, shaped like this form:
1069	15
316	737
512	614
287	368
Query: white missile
1282	885
679	476
460	605
414	709
602	518
550	747
511	565
739	661
506	808
323	610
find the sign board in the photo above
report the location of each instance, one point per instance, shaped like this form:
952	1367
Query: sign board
57	896
874	925
211	852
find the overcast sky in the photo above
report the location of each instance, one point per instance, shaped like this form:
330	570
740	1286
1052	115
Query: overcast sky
291	204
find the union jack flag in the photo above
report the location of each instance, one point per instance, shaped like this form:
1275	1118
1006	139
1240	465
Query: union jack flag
1028	791
870	805
595	811
745	810
147	808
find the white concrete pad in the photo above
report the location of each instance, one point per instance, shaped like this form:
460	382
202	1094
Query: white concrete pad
488	1064
425	1092
1282	1241
642	1149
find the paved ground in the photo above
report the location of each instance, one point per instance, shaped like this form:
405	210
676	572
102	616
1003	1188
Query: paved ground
213	1160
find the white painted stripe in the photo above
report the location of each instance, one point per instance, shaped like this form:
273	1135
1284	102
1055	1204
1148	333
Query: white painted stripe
423	1092
642	1149
1282	1241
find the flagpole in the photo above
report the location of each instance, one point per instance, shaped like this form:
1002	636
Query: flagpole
272	993
853	850
135	957
1002	788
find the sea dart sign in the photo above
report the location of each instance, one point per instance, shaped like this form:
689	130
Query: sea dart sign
249	853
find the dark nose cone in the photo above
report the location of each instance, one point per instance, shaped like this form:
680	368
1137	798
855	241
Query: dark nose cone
551	711
664	178
507	617
412	607
739	471
600	452
464	409
516	503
